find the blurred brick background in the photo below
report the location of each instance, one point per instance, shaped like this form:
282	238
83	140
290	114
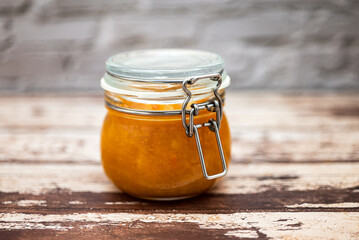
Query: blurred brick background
61	45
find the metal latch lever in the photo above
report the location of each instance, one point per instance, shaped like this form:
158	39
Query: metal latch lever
212	123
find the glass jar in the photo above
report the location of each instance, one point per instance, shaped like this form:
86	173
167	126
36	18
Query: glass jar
165	136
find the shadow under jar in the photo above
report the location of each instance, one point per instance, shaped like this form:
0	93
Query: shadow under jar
165	136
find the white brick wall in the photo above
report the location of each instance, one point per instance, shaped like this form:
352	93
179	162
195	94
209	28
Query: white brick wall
61	45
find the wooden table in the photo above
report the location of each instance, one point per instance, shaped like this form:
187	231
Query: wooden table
294	173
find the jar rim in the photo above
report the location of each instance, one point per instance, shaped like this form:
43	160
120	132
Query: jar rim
155	94
163	65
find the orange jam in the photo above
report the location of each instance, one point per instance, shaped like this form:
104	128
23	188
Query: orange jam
151	157
148	149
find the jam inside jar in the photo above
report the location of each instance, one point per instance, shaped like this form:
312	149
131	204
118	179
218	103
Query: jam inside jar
165	136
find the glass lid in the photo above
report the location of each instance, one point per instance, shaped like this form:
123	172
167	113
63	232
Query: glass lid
163	65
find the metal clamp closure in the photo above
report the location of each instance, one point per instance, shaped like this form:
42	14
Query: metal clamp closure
214	125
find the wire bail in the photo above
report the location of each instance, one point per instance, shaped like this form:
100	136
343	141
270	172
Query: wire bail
214	106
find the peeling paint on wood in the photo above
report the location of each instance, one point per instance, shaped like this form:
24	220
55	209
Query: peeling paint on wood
121	203
272	225
76	202
271	200
323	205
26	203
243	234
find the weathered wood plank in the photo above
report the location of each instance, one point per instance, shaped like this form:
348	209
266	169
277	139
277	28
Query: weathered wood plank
242	178
84	146
284	225
64	202
274	128
244	109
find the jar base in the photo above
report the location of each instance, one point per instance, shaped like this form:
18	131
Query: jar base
164	199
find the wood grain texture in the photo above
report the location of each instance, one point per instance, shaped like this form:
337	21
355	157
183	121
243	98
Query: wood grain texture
294	173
